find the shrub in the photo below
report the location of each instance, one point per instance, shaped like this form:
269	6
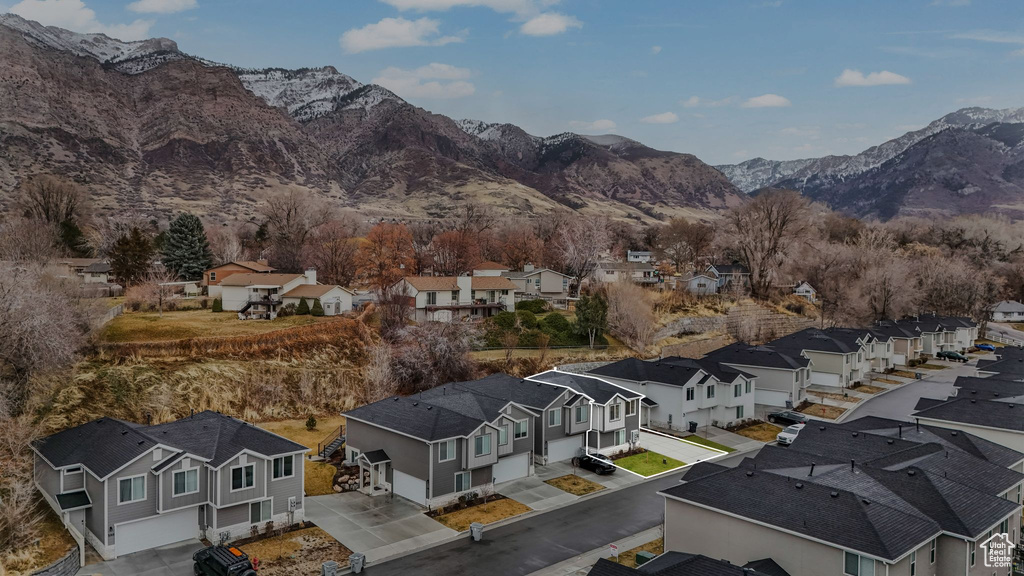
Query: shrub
218	306
505	320
317	309
170	305
286	310
554	324
527	319
535	306
530	338
303	307
204	303
311	422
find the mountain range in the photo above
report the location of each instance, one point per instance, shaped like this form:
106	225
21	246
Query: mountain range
146	127
969	161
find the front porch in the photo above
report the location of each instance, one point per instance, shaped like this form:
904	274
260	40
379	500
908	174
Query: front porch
373	473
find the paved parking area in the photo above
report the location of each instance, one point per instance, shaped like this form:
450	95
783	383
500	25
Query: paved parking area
170	560
619	479
681	450
379	527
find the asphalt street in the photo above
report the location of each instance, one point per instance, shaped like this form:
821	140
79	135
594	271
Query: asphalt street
899	403
539	541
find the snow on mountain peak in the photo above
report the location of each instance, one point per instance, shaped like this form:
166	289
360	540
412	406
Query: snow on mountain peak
306	93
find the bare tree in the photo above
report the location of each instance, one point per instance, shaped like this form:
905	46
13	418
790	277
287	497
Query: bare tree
764	230
226	246
683	242
631	314
431	354
579	244
386	256
334	246
519	244
422	234
24	241
291	219
52	200
393	309
378	376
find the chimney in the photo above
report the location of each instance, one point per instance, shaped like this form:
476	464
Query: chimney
310	275
528	268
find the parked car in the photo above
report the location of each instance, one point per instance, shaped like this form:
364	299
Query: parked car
787	417
789	434
986	347
222	561
596	463
952	356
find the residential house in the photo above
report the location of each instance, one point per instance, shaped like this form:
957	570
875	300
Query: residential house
700	284
261	295
543	283
682	564
683	392
490	268
612	271
782	378
869	497
127	487
85	270
906	339
447	298
1008	311
991	408
462	437
733	276
214	276
644	256
837	354
945	333
806	291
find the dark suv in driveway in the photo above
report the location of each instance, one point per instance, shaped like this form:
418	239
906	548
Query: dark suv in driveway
596	463
222	561
787	417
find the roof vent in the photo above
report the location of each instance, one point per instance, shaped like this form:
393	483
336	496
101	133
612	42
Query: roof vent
865	501
973	401
834	494
854	434
415	403
124	431
429	407
822	428
799	485
141	442
911	472
749	473
889	441
953	433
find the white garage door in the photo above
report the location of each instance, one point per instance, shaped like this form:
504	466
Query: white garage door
770	397
154	532
899	359
410	487
511	467
824	379
564	449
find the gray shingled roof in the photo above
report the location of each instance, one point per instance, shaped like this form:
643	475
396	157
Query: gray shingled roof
641	371
766	356
218	437
416	418
838	340
102	446
721	371
598	390
1008	306
990	413
73	500
683	564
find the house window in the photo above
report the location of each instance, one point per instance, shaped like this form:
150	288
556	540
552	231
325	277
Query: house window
186	482
243	477
355	455
737	390
260	512
913	563
739	412
131	489
482	445
284	467
536	282
614	412
631	407
748	386
931	551
855	565
213	276
446	451
455	296
522	429
582	414
710	391
620	437
689	393
555	417
973	547
462	481
431	298
503	435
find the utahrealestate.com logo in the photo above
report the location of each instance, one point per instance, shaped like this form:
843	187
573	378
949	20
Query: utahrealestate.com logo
998	551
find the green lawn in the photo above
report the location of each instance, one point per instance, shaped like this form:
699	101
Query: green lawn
709	443
649	463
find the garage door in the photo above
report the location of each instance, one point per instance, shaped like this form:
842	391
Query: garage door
899	359
771	397
824	379
564	449
410	487
511	467
158	531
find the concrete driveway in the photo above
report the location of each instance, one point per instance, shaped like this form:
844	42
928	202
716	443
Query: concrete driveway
899	403
686	452
170	560
378	527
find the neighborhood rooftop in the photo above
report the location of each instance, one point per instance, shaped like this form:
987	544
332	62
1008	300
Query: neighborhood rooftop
740	353
682	564
596	389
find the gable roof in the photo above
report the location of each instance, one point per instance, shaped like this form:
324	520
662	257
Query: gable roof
432	283
723	269
723	372
218	437
1008	306
683	564
837	340
979	412
312	291
250	264
490	265
97	268
102	446
527	273
766	356
600	391
491	283
254	279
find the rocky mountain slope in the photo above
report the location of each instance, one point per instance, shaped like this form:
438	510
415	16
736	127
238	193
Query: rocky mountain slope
146	127
905	175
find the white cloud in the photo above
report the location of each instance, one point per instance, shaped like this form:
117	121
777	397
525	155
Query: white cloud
994	37
523	7
655	50
811	132
395	33
695	101
597	125
162	6
663	118
766	101
549	24
857	78
431	81
75	15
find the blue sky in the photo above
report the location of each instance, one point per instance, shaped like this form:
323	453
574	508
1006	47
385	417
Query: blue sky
724	80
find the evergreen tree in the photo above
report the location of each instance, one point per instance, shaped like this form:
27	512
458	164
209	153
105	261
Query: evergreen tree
317	309
591	316
186	250
303	308
131	257
73	240
217	305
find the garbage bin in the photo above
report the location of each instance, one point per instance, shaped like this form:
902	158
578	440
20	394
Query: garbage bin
917	375
693	426
643	557
476	530
356	561
329	568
